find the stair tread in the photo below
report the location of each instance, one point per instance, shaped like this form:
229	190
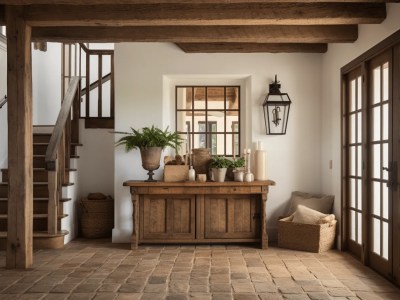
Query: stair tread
41	199
40	234
37	216
35	183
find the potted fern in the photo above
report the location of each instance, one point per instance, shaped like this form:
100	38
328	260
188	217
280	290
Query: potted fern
151	141
238	165
218	166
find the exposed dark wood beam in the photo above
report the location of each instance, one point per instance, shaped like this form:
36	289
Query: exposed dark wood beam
2	15
251	48
200	34
206	14
95	2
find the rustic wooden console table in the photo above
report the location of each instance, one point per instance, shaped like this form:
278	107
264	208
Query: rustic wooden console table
199	212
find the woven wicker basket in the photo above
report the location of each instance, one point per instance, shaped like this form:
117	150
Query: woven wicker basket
306	237
97	218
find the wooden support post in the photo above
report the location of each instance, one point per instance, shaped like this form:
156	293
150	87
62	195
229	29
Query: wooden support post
20	157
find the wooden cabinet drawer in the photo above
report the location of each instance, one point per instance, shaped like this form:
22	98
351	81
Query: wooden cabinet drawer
235	190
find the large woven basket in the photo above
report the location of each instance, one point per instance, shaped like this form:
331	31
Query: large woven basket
97	218
306	237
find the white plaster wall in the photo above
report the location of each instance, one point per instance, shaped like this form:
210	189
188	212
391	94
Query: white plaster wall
3	111
46	84
337	56
96	162
143	97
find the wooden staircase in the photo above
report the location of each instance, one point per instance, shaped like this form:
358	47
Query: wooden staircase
53	147
41	238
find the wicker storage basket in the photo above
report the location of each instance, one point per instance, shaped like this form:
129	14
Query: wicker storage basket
97	218
306	237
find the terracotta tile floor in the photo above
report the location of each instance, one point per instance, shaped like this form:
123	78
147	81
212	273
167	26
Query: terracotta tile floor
101	270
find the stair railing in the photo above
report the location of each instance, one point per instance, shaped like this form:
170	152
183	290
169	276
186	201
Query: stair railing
3	101
57	156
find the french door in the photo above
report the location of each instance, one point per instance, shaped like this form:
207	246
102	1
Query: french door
371	134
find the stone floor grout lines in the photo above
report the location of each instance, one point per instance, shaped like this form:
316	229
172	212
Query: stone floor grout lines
97	269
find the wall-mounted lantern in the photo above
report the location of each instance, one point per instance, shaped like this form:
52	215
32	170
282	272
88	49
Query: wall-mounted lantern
276	109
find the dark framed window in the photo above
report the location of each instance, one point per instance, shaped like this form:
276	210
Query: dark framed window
213	115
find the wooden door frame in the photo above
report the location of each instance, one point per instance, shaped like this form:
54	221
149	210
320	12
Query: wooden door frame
391	42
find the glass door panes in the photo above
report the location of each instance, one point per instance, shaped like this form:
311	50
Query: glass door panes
380	163
354	119
214	115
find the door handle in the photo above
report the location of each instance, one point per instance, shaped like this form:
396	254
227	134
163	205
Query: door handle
392	175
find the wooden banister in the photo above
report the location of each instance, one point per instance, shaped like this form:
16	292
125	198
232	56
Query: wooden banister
58	150
63	117
95	84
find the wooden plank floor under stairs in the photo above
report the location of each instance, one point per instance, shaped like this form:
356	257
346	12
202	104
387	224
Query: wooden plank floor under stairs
41	238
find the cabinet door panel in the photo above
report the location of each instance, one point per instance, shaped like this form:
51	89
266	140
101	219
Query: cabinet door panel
181	215
217	215
233	216
168	216
155	209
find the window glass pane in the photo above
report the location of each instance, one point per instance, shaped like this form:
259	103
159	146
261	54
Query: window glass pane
352	128
377	85
353	225
232	98
385	81
359	228
182	117
376	203
376	243
94	103
376	161
352	160
359	161
385	121
359	194
385	161
353	193
353	95
106	99
376	114
199	97
217	144
216	97
184	98
218	117
359	128
385	240
385	201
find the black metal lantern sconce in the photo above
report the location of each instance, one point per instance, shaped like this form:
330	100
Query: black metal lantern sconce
276	108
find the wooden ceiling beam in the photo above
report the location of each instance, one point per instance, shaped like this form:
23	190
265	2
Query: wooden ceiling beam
206	14
97	2
252	48
2	15
200	34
